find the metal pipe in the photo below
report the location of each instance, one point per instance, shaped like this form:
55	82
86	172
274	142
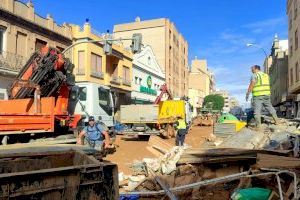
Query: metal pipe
37	100
213	181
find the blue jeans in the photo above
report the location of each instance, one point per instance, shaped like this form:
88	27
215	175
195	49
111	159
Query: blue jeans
258	103
180	137
95	144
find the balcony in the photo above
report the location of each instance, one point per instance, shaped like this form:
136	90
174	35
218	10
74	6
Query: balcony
97	75
11	63
115	80
127	82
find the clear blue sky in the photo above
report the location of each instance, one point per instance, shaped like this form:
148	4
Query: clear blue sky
215	30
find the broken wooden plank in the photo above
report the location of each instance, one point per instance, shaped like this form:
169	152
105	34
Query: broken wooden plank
275	161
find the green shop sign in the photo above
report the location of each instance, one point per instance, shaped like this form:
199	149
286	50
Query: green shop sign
148	89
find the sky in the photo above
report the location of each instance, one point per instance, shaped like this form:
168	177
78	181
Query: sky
215	30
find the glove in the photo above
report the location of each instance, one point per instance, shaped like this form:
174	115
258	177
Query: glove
247	96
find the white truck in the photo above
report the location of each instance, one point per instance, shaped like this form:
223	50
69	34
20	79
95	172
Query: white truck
95	100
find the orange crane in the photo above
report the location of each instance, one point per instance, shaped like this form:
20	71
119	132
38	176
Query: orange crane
39	97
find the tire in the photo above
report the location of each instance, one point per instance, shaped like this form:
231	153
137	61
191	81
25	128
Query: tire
143	137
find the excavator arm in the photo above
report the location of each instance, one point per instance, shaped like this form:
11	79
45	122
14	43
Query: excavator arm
164	90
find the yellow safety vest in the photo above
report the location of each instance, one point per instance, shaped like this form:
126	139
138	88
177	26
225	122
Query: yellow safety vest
181	124
262	85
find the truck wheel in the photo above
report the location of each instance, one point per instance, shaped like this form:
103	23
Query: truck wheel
143	137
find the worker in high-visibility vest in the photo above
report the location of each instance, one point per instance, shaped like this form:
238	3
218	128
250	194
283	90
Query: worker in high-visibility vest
260	88
181	131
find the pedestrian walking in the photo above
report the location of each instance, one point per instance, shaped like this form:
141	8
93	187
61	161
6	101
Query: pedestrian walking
181	131
260	88
94	135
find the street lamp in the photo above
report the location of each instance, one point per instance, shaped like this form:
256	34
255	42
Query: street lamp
256	46
265	53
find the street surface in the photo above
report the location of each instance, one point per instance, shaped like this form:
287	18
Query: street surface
128	151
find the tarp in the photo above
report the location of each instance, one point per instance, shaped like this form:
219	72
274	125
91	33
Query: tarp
227	116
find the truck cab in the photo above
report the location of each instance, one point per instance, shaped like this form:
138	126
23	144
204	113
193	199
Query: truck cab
95	100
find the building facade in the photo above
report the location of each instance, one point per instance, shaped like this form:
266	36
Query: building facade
169	46
294	54
93	65
278	72
201	84
147	77
22	32
225	95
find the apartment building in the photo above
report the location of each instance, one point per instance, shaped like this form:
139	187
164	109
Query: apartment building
294	54
225	95
147	77
201	83
93	65
22	31
278	72
169	46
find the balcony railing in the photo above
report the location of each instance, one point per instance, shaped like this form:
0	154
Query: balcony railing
11	62
97	75
115	80
127	82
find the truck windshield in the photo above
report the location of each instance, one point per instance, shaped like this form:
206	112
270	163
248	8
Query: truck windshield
82	93
104	100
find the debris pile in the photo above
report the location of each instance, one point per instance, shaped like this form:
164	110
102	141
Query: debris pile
264	164
224	173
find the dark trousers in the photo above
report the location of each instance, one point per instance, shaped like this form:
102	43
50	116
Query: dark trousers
180	137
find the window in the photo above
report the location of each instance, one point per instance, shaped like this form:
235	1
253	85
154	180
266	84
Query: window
104	100
291	77
296	39
295	9
21	44
39	44
136	80
126	75
96	65
81	69
60	48
297	72
82	93
2	32
140	81
291	50
115	70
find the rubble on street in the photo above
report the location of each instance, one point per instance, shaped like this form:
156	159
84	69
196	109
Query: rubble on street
245	163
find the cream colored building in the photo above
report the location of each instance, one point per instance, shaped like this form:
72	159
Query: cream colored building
201	83
169	46
278	72
233	102
225	95
294	54
93	65
22	31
